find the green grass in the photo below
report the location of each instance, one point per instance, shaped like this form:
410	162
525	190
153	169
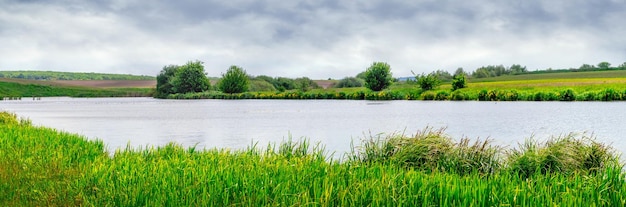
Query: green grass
13	89
44	167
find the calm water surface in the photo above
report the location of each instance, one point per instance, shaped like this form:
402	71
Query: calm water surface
334	123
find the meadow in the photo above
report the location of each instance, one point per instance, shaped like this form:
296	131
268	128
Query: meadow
12	88
40	166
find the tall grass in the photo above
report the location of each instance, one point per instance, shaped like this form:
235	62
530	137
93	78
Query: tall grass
44	167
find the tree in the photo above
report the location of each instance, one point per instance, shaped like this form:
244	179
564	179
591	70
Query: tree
460	71
458	82
622	66
361	75
349	82
305	84
443	75
480	73
378	76
517	69
190	78
427	82
164	86
235	80
604	65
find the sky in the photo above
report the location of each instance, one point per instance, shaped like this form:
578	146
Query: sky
317	39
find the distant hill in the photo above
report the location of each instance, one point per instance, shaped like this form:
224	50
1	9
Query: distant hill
53	75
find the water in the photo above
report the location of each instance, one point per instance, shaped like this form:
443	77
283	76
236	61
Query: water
236	124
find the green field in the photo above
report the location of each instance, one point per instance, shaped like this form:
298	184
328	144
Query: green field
44	167
10	88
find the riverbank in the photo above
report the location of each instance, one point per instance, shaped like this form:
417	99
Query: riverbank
41	166
533	90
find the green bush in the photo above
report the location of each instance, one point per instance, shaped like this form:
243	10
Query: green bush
458	82
428	95
378	76
459	96
568	95
610	94
235	80
428	82
442	96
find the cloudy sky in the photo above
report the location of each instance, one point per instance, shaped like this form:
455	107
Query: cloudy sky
318	39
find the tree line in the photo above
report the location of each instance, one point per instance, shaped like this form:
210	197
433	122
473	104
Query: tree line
192	78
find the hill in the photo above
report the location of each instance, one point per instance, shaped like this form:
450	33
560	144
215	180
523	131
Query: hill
53	75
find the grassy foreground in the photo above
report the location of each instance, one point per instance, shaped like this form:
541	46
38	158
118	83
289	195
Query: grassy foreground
44	167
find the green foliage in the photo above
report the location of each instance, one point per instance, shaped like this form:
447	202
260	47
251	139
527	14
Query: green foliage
361	75
443	75
164	81
378	76
283	84
259	85
459	82
234	81
349	82
427	82
52	75
498	70
190	78
604	65
305	84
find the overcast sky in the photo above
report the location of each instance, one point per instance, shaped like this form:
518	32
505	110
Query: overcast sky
317	39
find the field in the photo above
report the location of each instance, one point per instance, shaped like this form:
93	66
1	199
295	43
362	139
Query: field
45	167
17	88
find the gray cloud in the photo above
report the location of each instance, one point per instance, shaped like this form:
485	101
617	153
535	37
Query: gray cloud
319	39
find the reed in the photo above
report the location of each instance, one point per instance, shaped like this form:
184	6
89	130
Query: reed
44	167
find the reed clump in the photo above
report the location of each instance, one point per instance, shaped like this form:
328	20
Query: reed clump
432	150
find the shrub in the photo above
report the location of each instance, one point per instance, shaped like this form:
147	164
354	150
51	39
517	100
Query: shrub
378	76
442	96
610	94
164	85
568	95
235	80
458	82
428	82
483	95
428	95
459	96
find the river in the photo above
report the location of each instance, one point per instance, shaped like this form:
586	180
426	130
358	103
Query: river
335	124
